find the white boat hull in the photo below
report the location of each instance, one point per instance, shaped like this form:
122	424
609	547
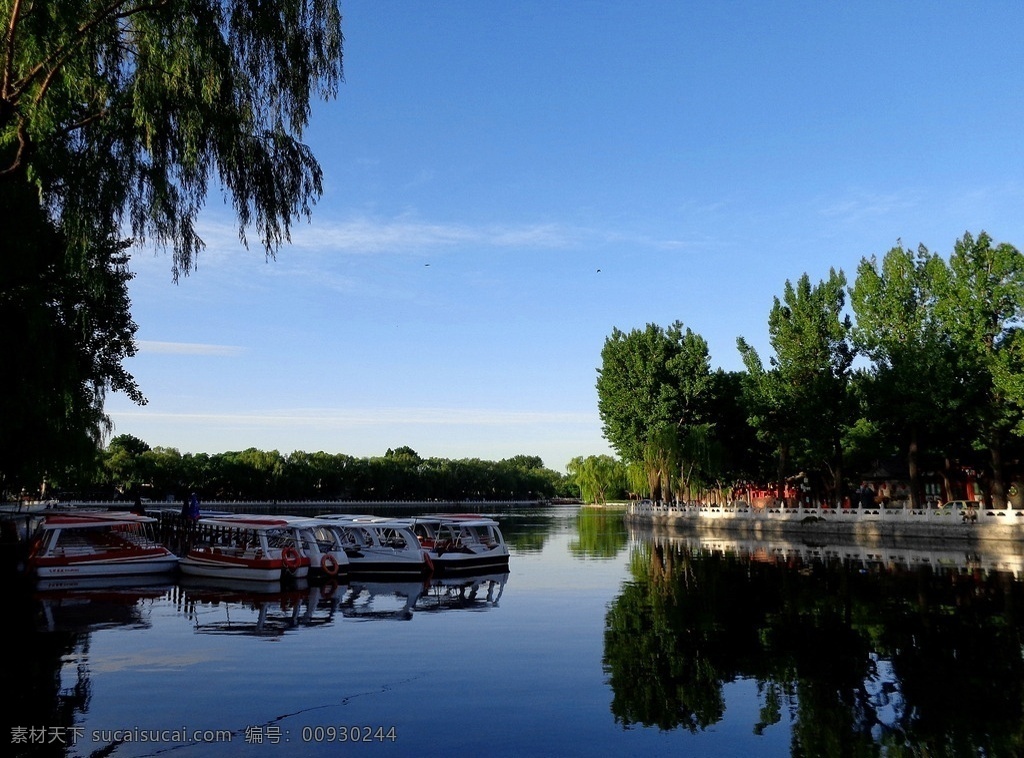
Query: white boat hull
214	569
108	567
451	562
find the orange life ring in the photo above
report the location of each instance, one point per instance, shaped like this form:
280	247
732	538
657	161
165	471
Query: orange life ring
290	558
329	564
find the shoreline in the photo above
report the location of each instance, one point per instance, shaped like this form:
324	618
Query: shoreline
869	525
886	552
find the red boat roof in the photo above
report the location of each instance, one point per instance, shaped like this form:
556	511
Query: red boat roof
247	521
93	518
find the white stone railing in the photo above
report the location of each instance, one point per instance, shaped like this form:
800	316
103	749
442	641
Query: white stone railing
744	512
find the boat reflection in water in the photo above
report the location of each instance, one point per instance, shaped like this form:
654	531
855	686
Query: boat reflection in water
473	593
851	649
401	600
94	603
262	608
270	608
249	607
366	600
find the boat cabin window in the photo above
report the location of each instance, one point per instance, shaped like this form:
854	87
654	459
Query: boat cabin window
280	539
393	538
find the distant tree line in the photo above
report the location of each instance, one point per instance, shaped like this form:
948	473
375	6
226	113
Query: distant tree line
128	466
927	371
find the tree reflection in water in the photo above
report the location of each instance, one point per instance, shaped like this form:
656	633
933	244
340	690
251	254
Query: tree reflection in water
600	533
865	659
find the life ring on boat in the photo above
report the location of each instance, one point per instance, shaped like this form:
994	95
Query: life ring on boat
329	564
290	558
430	563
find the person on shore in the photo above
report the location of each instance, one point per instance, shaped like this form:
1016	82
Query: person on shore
867	496
193	508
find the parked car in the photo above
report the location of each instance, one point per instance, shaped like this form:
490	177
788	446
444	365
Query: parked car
965	510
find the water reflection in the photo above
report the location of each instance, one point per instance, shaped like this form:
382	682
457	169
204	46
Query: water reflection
256	608
54	624
466	593
859	652
601	533
262	609
96	603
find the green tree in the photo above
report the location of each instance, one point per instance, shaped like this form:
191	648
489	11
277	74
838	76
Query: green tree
913	389
981	306
743	456
596	476
163	471
124	110
653	386
768	398
661	455
636	480
526	462
805	398
66	328
404	456
700	461
122	462
118	114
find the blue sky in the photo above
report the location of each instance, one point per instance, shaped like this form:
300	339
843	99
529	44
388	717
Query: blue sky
507	183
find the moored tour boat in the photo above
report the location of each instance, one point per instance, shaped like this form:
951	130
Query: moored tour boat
461	542
246	547
322	545
378	545
98	544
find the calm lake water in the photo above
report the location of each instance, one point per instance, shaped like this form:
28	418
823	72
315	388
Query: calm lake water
601	640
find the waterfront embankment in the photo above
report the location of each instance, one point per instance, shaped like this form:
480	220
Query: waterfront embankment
864	526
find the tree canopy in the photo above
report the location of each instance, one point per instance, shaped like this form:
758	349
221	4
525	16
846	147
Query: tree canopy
650	379
941	381
117	118
66	329
120	112
806	392
982	308
899	330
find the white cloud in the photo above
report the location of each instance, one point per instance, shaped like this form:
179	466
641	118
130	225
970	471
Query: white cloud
863	206
404	235
187	348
